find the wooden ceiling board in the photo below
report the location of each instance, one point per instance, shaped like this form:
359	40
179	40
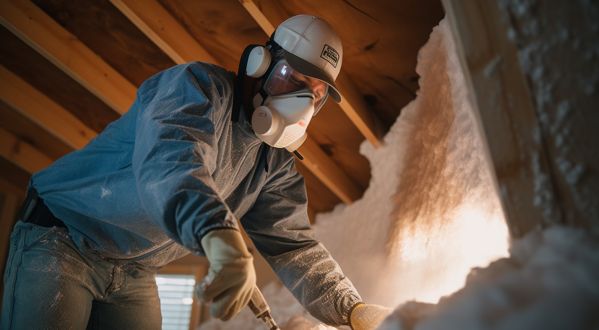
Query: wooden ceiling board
107	32
223	27
48	79
32	133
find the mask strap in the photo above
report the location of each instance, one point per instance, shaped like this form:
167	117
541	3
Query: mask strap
298	155
238	88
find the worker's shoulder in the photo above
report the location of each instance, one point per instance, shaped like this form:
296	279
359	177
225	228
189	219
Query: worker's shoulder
207	80
206	70
199	73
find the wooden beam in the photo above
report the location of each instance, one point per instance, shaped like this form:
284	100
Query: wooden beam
22	153
59	46
258	16
355	108
27	100
352	103
328	172
505	108
322	165
163	29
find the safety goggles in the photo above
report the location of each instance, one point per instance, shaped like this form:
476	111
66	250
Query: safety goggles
283	79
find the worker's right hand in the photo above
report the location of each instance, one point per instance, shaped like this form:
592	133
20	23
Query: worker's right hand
367	316
231	277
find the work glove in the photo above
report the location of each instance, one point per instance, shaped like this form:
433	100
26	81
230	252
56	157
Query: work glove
231	277
367	316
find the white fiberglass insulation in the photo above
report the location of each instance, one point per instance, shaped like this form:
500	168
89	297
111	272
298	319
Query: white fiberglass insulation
548	282
431	214
431	211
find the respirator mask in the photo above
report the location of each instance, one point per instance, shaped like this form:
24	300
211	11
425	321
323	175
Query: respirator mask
285	104
297	69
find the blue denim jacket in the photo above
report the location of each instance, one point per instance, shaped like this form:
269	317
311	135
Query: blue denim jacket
176	166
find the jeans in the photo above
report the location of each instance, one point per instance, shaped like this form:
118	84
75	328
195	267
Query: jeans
50	284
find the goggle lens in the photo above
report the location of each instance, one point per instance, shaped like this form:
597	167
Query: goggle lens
283	79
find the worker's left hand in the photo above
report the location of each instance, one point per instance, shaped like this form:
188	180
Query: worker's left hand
367	316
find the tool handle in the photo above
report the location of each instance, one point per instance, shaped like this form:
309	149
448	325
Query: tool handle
260	308
257	303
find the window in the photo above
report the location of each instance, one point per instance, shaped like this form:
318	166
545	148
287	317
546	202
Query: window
176	300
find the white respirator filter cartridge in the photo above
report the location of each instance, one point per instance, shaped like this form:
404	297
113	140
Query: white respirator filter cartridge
265	121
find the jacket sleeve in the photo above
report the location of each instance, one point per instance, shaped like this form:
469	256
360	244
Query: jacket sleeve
175	155
279	227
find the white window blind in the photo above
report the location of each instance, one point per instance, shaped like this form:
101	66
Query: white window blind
176	299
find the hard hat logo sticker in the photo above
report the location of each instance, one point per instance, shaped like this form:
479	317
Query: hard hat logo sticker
330	55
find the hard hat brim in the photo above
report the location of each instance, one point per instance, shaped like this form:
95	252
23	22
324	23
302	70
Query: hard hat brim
308	69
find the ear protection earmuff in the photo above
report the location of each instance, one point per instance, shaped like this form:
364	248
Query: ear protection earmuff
258	61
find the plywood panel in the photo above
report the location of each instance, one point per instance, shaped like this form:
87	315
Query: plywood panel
48	79
109	34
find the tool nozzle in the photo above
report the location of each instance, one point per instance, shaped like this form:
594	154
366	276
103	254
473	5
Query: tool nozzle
261	309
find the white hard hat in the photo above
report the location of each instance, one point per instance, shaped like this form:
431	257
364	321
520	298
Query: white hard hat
312	48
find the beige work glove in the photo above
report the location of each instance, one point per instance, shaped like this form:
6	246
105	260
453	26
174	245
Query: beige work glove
368	317
231	277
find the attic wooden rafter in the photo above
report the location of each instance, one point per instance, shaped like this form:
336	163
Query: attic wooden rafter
162	28
148	17
317	161
59	46
505	108
22	97
22	153
352	103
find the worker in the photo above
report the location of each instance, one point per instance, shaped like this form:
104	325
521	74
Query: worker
199	149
